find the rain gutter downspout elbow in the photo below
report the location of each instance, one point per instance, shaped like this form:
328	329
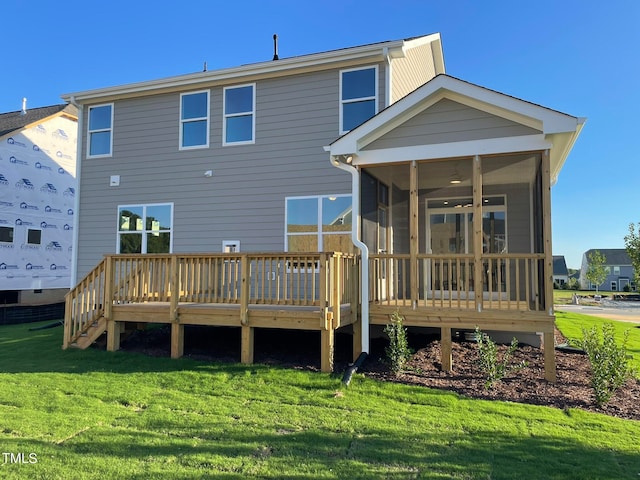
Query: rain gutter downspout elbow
364	250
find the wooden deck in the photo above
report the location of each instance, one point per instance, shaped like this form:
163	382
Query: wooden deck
282	291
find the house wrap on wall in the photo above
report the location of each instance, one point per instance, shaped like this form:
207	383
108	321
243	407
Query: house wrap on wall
441	187
37	202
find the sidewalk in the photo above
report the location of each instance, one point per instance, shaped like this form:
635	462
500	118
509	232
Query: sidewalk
623	313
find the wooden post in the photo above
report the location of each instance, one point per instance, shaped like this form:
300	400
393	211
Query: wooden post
174	287
478	273
245	289
108	287
177	340
246	349
326	349
113	336
336	300
549	338
413	231
445	347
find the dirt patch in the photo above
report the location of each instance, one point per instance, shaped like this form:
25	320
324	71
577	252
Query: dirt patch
301	350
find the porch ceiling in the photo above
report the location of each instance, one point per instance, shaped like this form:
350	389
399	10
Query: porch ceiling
502	170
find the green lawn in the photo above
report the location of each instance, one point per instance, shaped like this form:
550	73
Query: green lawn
93	414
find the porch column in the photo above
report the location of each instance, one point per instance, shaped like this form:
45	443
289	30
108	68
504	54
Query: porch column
413	231
548	336
478	273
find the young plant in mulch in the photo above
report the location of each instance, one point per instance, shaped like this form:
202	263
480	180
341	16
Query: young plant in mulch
493	368
398	352
610	366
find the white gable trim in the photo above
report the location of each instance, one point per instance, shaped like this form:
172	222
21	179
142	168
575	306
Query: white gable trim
450	150
541	118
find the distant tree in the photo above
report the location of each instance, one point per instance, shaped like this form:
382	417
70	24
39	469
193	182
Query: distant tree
632	242
596	271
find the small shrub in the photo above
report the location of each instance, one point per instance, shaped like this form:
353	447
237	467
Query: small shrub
493	369
398	351
626	288
610	368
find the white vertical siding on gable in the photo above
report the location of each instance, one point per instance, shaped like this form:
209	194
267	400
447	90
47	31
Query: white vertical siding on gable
296	116
412	71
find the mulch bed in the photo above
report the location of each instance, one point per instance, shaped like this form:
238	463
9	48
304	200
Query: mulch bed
300	349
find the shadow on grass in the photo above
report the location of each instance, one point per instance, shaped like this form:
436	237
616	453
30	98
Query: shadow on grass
302	454
25	350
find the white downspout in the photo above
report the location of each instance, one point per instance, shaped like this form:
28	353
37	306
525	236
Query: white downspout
76	203
364	250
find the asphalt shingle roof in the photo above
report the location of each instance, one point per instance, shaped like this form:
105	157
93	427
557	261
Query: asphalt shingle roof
613	256
14	121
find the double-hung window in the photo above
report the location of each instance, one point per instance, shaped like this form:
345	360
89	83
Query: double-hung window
358	97
99	131
239	115
318	224
194	120
145	228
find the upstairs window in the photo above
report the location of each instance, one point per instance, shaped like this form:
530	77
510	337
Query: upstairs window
145	228
239	115
100	130
194	120
358	97
34	237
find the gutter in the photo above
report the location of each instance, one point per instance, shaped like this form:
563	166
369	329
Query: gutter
76	203
364	250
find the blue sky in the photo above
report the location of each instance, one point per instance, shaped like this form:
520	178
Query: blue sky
579	57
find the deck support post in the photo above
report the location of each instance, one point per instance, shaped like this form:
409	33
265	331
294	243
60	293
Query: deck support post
327	338
548	343
246	348
177	340
113	336
108	287
445	349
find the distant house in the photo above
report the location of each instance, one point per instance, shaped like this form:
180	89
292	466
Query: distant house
620	270
560	272
37	203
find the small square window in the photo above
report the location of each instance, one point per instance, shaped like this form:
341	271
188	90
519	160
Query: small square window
6	234
34	237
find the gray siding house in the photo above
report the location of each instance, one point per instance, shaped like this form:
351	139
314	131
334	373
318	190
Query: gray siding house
560	272
430	195
620	272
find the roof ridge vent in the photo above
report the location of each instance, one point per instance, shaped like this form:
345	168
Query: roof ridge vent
275	47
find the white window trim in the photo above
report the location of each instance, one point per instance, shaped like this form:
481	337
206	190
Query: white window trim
342	131
320	233
144	230
466	210
89	132
196	119
231	243
240	114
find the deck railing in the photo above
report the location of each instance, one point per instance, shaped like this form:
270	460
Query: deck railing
507	281
323	280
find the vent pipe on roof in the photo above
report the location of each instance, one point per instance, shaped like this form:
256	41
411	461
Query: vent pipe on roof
24	106
275	46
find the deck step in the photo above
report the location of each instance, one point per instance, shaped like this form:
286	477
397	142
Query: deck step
86	339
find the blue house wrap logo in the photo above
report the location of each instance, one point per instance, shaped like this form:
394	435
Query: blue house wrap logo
67	227
13	141
16	161
59	133
36	148
40	166
19	222
55	246
70	211
49	188
50	209
69	192
45	225
24	184
4	266
26	206
31	266
62	171
3	180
